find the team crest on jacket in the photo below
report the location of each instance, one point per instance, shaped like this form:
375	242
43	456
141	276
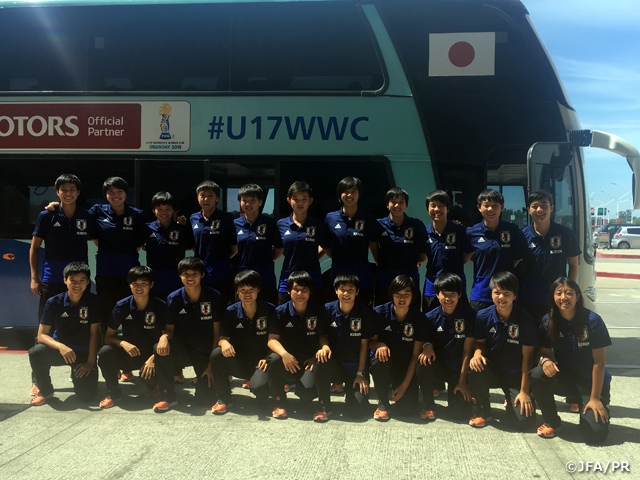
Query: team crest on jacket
127	221
81	224
408	233
205	308
83	313
458	325
407	330
359	225
261	229
173	235
556	242
311	231
584	336
150	318
215	225
451	238
261	323
356	324
505	237
514	331
312	322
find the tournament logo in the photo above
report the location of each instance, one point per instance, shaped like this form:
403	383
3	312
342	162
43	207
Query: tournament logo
81	224
584	336
173	235
359	225
514	331
505	237
150	318
356	324
84	312
451	238
312	322
261	323
262	229
165	112
311	231
127	221
556	242
458	325
215	225
407	330
205	308
408	233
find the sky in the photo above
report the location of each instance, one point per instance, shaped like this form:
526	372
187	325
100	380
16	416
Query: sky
595	45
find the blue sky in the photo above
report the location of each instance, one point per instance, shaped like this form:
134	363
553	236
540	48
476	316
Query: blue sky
595	46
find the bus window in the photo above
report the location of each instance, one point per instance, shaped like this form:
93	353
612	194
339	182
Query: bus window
515	210
233	205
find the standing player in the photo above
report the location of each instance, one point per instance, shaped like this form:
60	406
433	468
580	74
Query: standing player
579	339
396	347
141	317
402	245
295	336
445	247
242	349
346	357
194	313
304	238
166	243
448	348
495	245
505	339
68	334
259	242
215	240
353	233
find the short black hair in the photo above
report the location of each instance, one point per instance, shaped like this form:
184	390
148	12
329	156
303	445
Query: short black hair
448	282
115	182
344	278
251	190
400	283
75	268
439	196
539	195
208	185
162	198
299	186
247	278
191	263
140	272
302	278
506	281
396	192
68	178
490	195
347	183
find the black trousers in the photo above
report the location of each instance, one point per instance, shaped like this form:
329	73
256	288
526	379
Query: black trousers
111	289
388	375
278	377
333	371
240	367
572	386
167	365
436	373
493	377
42	358
112	359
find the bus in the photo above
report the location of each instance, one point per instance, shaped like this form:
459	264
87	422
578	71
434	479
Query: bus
450	94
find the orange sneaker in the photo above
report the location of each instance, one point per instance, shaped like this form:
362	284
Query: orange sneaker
287	387
478	421
126	377
163	405
178	378
246	384
427	415
574	407
34	390
321	416
220	408
436	393
108	402
381	414
336	388
280	413
39	399
547	431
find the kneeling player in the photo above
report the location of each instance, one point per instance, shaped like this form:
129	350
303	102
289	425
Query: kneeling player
141	316
448	348
242	349
68	334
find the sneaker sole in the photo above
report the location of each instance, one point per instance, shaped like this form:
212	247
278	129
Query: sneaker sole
226	410
171	404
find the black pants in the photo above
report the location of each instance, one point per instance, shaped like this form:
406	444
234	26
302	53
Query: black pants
439	373
572	386
240	367
111	289
390	374
42	358
278	377
478	305
112	359
167	365
333	371
493	377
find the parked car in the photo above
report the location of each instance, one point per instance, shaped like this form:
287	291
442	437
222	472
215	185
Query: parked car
602	236
626	237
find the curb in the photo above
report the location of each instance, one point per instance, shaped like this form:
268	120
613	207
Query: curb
617	255
628	276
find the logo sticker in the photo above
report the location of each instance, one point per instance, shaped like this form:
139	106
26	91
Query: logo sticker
205	308
150	318
311	231
514	331
505	237
356	324
359	225
312	322
81	224
407	330
262	229
458	325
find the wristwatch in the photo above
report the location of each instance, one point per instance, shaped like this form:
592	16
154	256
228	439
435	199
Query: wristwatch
360	373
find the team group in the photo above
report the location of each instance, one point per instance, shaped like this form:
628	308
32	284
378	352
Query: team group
179	311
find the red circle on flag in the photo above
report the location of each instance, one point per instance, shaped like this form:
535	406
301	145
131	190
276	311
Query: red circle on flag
461	54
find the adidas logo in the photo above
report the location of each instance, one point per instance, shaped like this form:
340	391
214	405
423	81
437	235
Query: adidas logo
290	325
493	330
57	224
182	312
481	240
287	232
129	317
153	235
439	329
384	234
337	227
561	335
240	325
388	328
532	245
333	324
195	226
240	232
64	314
